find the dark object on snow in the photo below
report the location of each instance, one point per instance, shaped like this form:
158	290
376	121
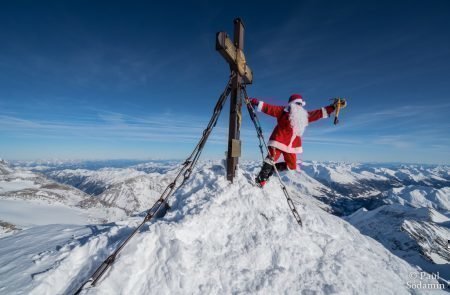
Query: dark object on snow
267	171
264	174
162	210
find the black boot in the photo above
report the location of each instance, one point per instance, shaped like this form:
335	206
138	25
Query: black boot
282	166
264	174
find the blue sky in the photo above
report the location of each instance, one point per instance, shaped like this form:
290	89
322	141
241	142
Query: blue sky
108	80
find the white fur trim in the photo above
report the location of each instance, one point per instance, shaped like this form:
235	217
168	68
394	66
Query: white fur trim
260	106
299	100
285	148
324	113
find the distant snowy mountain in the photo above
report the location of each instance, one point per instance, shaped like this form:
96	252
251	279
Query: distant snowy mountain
4	167
343	188
94	182
51	165
28	198
23	184
136	194
420	196
130	189
367	186
375	175
218	238
418	235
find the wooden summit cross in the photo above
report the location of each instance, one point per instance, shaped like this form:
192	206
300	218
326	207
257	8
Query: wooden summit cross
233	53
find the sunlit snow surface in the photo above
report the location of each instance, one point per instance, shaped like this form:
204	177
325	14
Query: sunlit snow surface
25	213
217	238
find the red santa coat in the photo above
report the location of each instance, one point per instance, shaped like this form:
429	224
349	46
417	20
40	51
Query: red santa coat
283	137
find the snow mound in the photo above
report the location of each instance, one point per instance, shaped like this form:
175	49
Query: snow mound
7	228
218	238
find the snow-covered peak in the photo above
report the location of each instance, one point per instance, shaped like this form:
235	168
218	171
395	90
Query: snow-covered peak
419	196
218	238
4	167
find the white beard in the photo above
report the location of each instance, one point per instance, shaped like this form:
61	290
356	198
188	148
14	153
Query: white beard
298	117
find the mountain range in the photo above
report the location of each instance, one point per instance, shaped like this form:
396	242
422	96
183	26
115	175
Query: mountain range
399	213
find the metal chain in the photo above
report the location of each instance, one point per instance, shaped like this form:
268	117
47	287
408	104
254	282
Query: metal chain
185	172
255	121
262	142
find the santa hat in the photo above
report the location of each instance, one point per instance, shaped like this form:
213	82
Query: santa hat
296	98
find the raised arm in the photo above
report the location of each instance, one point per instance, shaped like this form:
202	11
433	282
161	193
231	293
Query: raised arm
320	113
271	110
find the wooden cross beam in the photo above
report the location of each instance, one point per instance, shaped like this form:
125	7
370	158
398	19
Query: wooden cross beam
233	53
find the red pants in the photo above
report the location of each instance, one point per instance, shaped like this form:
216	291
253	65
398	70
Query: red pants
290	159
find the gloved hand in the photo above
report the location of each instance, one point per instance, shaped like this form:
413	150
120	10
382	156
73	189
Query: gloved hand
254	102
342	103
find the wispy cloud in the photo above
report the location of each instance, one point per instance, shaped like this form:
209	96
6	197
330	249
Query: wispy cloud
394	141
416	117
113	126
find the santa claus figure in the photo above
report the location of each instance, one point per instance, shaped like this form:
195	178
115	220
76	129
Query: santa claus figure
286	138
